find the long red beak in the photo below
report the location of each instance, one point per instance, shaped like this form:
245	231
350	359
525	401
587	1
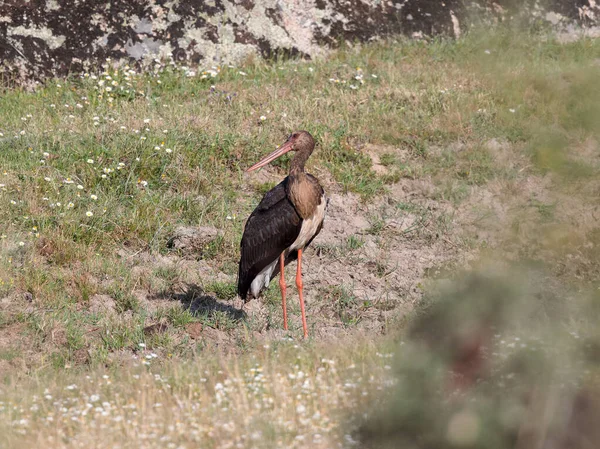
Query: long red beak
271	157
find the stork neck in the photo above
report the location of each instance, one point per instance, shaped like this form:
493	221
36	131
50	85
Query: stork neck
297	165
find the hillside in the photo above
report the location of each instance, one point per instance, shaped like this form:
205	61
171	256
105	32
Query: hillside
464	185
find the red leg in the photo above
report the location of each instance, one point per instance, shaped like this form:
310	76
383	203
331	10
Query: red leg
282	287
300	285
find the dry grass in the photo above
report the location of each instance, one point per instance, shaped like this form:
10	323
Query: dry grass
285	396
435	154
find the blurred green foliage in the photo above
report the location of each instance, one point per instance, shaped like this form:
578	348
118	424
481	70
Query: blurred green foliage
507	355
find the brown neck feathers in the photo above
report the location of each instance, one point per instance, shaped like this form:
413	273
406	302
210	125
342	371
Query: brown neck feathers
297	164
304	193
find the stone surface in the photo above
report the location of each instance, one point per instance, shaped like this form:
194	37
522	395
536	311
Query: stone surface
193	240
40	39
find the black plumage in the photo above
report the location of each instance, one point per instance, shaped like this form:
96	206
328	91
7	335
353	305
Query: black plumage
284	223
270	230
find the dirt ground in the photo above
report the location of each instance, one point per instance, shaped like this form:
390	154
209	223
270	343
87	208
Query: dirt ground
362	275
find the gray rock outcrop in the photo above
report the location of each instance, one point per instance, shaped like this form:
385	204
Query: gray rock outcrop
47	38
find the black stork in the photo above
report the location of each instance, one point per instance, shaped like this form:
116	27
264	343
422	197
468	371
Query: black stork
285	222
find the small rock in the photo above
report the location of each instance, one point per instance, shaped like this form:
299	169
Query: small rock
193	240
216	336
194	330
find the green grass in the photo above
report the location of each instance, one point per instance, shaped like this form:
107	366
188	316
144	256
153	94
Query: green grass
354	242
223	290
495	132
155	155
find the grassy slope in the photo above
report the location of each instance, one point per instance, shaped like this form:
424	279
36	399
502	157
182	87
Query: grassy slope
442	102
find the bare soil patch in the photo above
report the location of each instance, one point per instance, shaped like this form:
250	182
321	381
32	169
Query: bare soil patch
362	274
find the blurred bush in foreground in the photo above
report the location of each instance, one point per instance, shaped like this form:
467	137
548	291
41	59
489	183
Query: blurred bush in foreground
496	361
508	355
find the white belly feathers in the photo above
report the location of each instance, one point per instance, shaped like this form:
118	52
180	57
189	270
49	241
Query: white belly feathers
262	279
310	226
307	231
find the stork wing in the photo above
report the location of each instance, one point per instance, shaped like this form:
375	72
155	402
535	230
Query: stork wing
293	255
271	229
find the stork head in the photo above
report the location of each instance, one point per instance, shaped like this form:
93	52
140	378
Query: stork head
300	141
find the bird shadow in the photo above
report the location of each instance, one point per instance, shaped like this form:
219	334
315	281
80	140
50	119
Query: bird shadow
194	299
